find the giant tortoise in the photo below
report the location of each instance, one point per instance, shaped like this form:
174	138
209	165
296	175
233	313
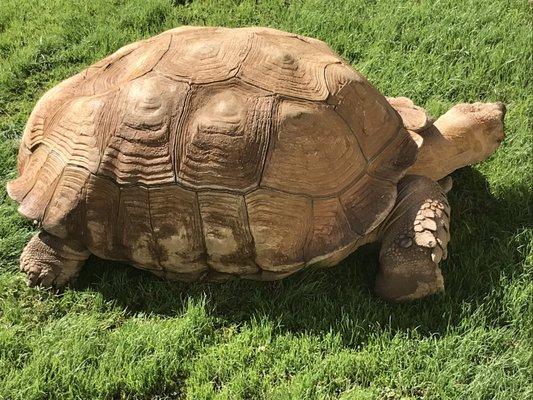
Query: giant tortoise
206	153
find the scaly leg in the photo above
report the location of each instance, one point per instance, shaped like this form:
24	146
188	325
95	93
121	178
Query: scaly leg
52	262
414	239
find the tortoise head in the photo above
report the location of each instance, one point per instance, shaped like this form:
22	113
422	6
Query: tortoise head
480	124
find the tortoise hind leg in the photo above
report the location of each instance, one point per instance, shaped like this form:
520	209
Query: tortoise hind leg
414	239
52	262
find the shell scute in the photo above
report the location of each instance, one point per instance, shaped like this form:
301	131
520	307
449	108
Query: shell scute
127	64
332	238
312	151
229	243
176	222
280	224
139	148
223	138
286	65
367	203
204	55
363	108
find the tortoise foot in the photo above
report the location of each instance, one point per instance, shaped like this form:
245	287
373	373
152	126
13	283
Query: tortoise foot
51	262
410	282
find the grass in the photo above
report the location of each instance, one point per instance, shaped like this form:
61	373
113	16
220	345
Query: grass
320	334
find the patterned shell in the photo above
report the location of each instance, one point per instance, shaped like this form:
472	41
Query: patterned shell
203	153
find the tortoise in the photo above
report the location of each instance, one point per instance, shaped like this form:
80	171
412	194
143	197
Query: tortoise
207	153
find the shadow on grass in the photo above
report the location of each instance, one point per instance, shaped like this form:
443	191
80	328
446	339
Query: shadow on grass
340	300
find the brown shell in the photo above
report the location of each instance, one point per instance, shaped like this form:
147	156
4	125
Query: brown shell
203	153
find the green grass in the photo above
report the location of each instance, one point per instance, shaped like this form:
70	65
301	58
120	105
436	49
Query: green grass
320	334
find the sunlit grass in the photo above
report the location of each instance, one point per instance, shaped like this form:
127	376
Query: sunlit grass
321	333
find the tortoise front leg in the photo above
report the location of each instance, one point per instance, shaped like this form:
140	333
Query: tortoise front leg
52	262
414	239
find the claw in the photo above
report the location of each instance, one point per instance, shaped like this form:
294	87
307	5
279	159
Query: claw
436	254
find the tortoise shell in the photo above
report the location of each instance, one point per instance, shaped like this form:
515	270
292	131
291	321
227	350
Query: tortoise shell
203	153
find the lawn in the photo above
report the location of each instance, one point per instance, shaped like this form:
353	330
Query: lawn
320	334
